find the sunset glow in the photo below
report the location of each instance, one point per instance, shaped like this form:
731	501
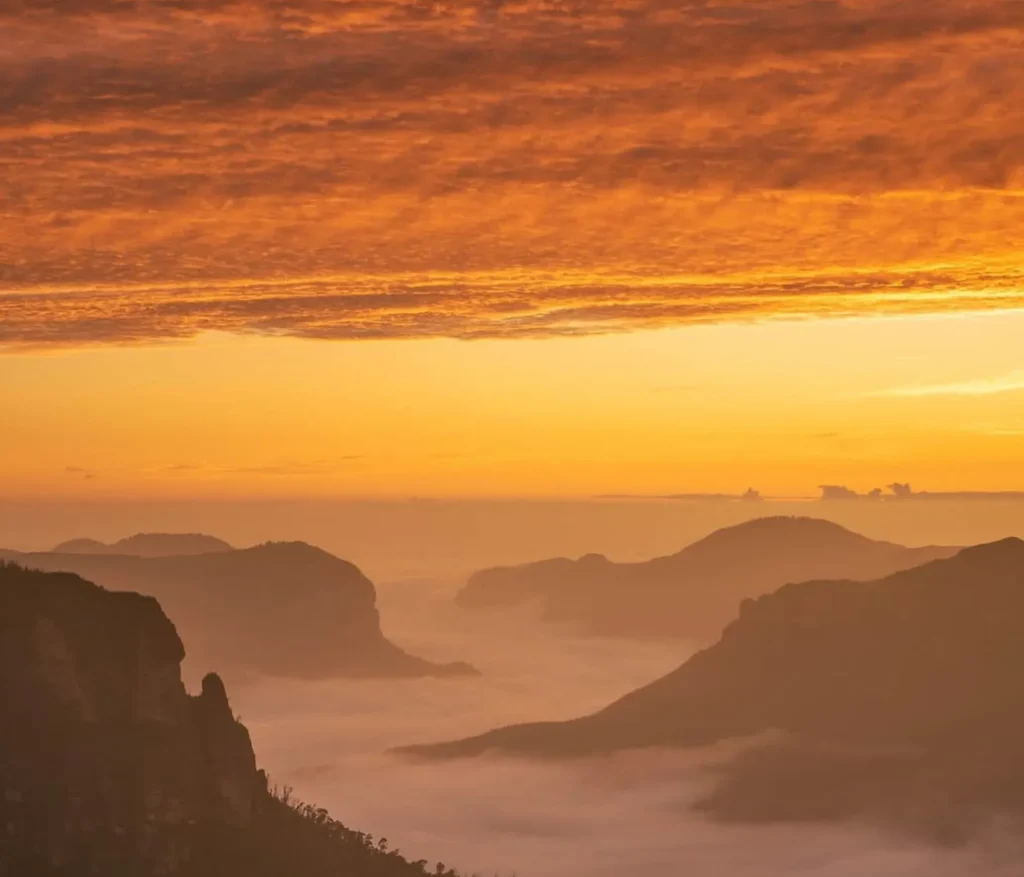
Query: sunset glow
585	247
781	406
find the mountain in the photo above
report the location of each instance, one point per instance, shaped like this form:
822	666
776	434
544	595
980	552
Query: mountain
283	608
147	545
898	696
109	768
693	593
83	546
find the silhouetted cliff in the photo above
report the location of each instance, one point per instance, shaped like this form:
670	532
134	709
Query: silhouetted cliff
147	545
99	737
282	608
695	592
896	695
108	767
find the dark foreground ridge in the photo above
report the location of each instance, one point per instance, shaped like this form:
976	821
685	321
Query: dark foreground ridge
109	768
900	699
283	608
697	591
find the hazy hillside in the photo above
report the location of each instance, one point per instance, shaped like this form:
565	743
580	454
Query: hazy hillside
894	695
281	608
147	545
695	592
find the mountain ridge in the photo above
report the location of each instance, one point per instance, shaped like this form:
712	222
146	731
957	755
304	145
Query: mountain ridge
694	592
281	608
147	545
901	694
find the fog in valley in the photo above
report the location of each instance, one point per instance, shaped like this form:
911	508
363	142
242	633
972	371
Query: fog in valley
619	816
326	732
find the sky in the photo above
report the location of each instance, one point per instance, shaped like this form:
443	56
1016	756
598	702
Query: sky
540	248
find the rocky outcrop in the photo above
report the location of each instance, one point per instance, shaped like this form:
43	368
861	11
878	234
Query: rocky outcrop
109	768
147	545
227	751
101	747
283	608
914	676
695	592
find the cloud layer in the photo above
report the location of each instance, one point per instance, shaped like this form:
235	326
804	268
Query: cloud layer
606	817
404	168
1009	383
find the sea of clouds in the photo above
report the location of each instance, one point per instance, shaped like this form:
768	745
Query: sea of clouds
623	816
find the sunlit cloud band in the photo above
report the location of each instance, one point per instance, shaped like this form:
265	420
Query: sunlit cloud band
415	168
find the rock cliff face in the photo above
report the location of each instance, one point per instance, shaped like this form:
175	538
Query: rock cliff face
104	756
695	592
109	768
283	608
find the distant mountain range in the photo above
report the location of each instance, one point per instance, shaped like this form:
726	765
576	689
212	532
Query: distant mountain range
147	545
900	698
695	592
283	608
109	768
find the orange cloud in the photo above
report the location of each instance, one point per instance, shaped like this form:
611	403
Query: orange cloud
413	168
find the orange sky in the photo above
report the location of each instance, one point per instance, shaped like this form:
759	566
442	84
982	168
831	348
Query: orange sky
594	246
782	406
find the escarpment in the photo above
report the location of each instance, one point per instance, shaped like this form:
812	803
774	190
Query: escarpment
281	609
104	756
110	768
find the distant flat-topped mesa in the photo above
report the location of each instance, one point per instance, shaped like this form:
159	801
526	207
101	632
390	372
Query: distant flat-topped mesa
283	608
109	768
147	545
695	592
895	694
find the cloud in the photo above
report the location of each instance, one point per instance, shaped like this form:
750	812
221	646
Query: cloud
288	468
80	472
674	388
1008	383
1001	431
470	305
404	168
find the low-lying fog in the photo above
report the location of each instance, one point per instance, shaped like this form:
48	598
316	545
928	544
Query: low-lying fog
626	816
